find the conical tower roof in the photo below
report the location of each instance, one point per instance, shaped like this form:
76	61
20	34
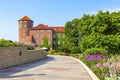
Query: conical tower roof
25	18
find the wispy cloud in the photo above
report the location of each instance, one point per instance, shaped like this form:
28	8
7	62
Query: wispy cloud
113	10
110	10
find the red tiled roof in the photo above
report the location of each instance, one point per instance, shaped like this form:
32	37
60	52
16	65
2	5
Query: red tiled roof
25	18
55	28
40	26
58	28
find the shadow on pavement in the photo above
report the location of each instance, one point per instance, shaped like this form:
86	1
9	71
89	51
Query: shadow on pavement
23	75
6	73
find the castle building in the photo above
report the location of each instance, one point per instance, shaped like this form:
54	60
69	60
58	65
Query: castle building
30	35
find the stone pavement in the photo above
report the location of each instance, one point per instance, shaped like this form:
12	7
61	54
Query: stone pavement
51	68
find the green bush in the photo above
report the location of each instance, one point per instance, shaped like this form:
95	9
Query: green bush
75	50
51	52
60	53
64	48
7	43
95	51
29	47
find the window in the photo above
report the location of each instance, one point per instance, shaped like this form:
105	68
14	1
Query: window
37	30
48	35
42	35
36	41
25	21
48	30
36	36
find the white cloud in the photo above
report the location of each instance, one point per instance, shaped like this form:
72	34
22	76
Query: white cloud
113	10
110	10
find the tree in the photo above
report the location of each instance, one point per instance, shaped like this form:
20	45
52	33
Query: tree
45	42
95	31
55	42
72	34
100	31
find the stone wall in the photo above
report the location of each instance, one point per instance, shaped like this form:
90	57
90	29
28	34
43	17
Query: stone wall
10	56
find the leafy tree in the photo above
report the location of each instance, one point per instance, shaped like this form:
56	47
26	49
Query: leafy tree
45	42
100	31
55	42
61	39
65	46
95	31
72	34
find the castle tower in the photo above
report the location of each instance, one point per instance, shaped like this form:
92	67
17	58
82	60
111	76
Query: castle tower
25	24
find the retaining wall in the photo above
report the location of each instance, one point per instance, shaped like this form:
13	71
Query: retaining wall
10	56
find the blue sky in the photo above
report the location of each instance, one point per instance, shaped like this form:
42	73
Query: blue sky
50	12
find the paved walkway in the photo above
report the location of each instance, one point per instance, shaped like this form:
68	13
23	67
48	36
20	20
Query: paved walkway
51	68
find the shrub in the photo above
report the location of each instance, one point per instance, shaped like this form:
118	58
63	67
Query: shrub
75	50
95	51
60	53
51	52
7	43
64	48
29	47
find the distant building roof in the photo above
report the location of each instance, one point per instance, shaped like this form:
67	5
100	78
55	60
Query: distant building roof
40	26
57	29
25	18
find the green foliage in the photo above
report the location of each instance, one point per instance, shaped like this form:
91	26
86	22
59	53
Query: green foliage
45	42
75	50
72	35
108	42
95	51
7	43
95	31
55	42
64	48
51	52
29	47
61	39
93	34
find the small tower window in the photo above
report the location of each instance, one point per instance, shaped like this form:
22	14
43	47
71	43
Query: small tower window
25	21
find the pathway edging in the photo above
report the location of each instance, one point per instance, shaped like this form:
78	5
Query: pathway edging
93	76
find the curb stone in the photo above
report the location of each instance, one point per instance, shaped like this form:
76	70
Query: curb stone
93	76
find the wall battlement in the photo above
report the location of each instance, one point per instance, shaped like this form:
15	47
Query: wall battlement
10	56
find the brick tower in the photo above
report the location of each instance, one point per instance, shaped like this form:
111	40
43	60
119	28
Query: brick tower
25	24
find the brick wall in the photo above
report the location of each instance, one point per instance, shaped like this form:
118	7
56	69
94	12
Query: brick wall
10	56
38	35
